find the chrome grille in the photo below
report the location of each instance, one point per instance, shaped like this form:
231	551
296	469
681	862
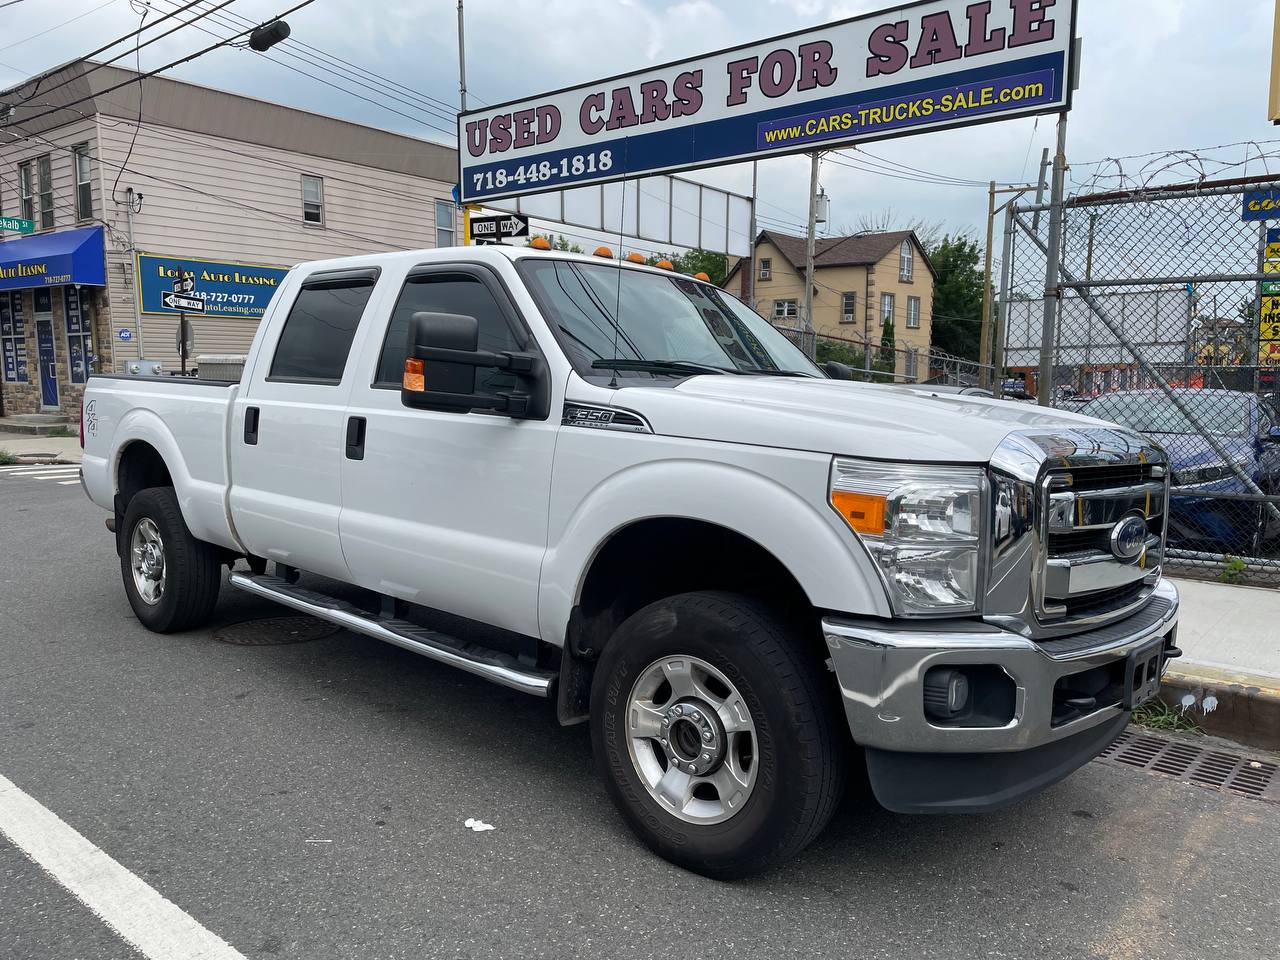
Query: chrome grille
1082	577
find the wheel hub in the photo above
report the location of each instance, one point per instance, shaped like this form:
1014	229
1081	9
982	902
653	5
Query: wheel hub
694	738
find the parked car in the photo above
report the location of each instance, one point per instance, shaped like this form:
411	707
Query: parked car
642	503
1202	515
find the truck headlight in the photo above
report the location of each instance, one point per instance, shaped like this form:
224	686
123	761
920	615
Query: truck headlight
922	525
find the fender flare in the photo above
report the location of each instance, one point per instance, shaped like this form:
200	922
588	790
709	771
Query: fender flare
828	562
201	501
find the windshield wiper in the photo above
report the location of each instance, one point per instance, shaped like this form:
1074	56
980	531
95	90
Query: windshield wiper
675	367
761	372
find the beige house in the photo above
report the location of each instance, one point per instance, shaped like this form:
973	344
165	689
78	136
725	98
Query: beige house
232	189
859	282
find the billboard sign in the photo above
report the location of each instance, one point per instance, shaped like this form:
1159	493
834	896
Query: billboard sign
227	289
916	67
1260	205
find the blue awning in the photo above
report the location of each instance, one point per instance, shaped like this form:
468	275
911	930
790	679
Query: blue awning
49	259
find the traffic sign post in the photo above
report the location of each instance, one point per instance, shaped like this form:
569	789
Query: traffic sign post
182	298
487	230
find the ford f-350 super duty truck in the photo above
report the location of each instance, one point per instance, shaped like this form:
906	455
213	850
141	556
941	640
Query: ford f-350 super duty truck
656	512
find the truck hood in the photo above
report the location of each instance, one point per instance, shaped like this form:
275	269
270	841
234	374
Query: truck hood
839	417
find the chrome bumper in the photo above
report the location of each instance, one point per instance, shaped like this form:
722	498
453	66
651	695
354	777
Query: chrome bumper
881	667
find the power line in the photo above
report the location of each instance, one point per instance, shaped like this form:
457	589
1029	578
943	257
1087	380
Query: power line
892	164
57	26
157	70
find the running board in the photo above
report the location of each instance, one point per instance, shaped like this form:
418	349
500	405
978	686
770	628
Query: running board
481	661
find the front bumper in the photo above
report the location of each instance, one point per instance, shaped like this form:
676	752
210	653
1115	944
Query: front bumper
881	668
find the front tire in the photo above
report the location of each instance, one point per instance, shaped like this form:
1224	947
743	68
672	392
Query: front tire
717	733
170	577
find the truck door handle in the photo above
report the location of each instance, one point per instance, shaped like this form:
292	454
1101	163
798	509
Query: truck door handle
355	438
251	425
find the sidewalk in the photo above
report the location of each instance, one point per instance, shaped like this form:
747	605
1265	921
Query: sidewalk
1228	679
42	449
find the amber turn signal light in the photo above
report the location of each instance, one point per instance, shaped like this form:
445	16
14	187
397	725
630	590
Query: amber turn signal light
415	375
540	243
604	252
705	278
864	512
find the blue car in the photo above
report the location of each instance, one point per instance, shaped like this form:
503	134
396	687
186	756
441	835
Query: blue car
1245	427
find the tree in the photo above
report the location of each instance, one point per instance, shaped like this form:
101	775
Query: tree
560	242
887	360
714	265
928	232
957	296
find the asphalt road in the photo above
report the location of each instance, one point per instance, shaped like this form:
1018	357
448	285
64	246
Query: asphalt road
308	800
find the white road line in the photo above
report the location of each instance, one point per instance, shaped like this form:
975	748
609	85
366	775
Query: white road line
43	473
140	915
55	476
67	483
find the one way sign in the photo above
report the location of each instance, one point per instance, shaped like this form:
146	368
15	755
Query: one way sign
176	301
497	229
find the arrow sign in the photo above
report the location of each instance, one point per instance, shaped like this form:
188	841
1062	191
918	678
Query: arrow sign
176	301
497	229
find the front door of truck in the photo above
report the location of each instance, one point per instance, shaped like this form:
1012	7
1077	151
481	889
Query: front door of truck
287	426
448	510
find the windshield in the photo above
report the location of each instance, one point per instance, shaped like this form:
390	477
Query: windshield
1226	413
655	318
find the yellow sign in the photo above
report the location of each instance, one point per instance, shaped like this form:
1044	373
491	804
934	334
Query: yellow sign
1270	330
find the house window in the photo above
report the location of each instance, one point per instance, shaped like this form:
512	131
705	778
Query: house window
84	184
312	199
906	261
848	307
785	310
913	313
44	172
446	230
13	337
886	308
766	268
26	196
79	333
913	365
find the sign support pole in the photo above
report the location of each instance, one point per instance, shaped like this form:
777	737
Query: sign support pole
182	341
810	242
1053	256
755	185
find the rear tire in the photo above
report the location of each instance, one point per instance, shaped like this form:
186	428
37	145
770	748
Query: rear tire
170	577
775	765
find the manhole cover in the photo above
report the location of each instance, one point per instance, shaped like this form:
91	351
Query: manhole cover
275	631
1222	770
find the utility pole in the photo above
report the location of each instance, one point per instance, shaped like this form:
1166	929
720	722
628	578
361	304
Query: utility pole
1053	257
1044	170
984	348
133	265
810	241
462	60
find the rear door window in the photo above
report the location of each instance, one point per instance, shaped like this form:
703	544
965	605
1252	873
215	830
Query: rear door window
321	325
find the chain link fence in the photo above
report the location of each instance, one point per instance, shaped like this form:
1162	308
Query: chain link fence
1165	320
896	365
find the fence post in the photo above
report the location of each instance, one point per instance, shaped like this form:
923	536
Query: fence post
1053	257
984	347
1002	307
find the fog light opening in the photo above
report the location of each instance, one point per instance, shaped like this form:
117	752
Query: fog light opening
969	696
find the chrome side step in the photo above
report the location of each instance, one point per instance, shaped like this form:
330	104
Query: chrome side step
481	661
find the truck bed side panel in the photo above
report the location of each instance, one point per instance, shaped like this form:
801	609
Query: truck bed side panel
185	421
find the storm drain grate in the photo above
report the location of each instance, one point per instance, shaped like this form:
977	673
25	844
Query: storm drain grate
1219	769
274	631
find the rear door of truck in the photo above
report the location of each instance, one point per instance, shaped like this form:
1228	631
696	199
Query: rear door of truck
287	429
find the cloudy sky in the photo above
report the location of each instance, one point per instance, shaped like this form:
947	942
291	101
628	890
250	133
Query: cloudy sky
1157	75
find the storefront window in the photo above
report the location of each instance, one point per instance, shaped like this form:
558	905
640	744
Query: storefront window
79	314
13	337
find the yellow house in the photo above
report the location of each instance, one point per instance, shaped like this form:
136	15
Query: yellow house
858	283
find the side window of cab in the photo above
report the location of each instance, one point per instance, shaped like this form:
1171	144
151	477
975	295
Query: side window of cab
322	322
449	292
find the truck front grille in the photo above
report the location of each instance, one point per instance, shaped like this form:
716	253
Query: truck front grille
1084	572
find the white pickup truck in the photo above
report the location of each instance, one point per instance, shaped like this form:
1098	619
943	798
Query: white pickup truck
745	574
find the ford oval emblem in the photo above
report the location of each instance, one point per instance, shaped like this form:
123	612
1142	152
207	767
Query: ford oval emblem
1129	538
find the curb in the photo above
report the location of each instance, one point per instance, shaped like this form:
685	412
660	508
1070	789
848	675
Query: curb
1237	706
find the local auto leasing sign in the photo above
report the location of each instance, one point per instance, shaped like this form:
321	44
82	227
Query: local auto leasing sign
921	66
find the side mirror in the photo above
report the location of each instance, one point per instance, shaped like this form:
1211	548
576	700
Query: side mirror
838	371
442	358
